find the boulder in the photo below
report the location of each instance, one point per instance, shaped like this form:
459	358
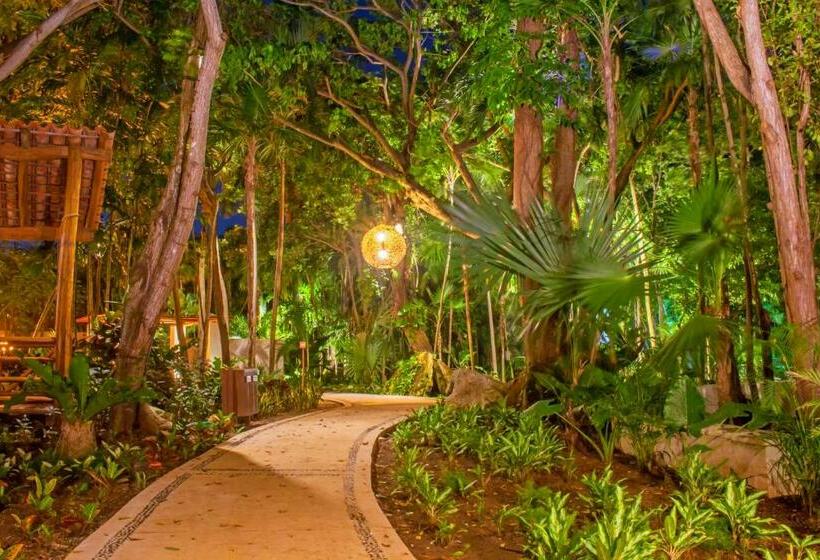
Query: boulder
472	388
154	421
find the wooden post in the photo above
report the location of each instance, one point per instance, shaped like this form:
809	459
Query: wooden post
64	324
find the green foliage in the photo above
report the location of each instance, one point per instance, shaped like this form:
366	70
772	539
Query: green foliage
698	480
362	356
547	523
520	453
738	510
621	530
89	512
684	527
417	483
684	405
41	498
79	398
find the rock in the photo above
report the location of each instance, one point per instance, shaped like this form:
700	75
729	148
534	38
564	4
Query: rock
153	420
473	388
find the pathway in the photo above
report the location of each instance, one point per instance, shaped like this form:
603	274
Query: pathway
294	489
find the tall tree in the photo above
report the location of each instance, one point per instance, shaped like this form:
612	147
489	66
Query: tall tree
156	269
753	79
250	228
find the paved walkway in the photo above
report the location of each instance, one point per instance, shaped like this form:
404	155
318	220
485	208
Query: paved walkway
295	489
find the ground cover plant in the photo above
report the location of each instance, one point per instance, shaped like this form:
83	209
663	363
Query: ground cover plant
574	505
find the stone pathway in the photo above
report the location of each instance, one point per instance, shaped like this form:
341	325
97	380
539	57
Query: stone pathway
298	488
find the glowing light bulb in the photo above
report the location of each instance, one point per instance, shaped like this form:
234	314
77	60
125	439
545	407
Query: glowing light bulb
382	254
381	236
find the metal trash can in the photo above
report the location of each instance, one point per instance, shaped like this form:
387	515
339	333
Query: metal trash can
239	391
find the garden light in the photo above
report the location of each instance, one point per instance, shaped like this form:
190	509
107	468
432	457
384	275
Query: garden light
384	246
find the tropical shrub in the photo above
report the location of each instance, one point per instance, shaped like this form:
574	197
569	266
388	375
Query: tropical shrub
80	399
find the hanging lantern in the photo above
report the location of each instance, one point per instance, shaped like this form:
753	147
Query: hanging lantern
384	246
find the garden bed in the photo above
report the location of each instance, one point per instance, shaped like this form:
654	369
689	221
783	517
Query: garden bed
479	535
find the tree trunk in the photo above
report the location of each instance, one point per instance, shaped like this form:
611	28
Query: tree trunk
179	323
23	49
789	203
693	134
728	383
528	190
465	281
611	102
564	158
250	228
77	439
491	326
277	273
154	274
221	304
763	320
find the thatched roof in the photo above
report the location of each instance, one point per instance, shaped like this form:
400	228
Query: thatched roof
33	171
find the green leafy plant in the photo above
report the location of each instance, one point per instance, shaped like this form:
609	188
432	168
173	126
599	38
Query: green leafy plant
520	453
89	512
800	548
738	509
12	552
106	472
458	482
547	523
601	490
697	478
684	527
797	437
80	400
621	530
41	498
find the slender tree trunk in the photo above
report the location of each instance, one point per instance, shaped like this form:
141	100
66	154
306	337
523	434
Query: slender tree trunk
693	134
280	255
221	305
650	319
707	104
748	262
763	320
789	202
465	280
179	323
250	223
171	226
611	102
802	118
564	158
728	383
491	325
528	190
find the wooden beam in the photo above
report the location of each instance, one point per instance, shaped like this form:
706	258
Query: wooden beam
64	324
30	341
19	153
92	217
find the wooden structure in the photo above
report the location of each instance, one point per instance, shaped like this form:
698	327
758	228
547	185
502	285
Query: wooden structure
52	182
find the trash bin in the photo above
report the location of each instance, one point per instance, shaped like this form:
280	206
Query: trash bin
239	391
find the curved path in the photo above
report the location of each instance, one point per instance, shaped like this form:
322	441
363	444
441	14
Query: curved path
298	488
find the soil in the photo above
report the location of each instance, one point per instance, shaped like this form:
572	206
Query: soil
478	537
